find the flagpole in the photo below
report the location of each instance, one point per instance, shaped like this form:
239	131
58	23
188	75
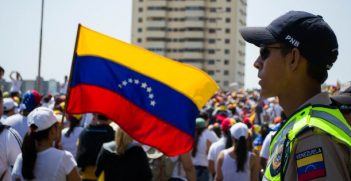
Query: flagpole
40	43
58	141
72	67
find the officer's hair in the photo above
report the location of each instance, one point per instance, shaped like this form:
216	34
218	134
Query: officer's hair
316	71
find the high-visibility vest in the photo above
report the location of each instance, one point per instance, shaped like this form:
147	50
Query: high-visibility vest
328	119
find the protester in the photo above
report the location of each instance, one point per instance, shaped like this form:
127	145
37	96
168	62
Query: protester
64	86
31	100
10	107
10	147
203	140
236	162
69	136
296	51
123	159
184	169
2	72
223	143
16	84
89	145
39	160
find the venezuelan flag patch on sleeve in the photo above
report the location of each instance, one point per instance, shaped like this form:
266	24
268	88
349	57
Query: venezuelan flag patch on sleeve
310	164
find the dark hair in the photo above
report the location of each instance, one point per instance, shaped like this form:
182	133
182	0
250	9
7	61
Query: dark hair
2	69
317	72
241	153
73	123
316	69
204	115
102	117
198	133
29	150
229	141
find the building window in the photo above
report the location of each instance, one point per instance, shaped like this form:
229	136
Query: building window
227	41
212	30
227	30
227	20
140	40
225	72
228	9
140	20
226	51
140	10
225	83
211	41
211	51
140	30
228	0
226	62
213	10
210	72
211	62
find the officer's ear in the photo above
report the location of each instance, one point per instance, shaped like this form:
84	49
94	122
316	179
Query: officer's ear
294	59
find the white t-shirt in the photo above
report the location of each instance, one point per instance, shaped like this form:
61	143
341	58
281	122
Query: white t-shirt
64	87
215	149
178	170
51	164
10	147
19	123
265	145
229	168
70	143
16	86
200	158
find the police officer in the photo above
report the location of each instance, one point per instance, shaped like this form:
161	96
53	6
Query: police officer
296	51
343	102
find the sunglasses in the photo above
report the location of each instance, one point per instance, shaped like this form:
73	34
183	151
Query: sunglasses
265	51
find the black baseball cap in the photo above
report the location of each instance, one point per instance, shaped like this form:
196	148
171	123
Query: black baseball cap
307	32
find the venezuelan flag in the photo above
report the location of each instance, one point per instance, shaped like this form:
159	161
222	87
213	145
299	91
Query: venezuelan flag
154	99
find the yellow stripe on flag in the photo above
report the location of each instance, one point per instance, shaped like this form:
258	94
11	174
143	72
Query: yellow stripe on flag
188	80
308	160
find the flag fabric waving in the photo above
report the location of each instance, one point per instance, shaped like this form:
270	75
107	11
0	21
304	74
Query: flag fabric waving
154	99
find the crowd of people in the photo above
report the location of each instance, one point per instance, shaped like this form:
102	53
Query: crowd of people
239	135
233	133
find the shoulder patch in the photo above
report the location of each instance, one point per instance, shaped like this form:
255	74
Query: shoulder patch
310	164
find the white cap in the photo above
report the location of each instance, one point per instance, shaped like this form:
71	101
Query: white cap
41	117
238	130
9	104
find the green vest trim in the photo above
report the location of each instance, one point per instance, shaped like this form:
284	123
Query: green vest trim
328	119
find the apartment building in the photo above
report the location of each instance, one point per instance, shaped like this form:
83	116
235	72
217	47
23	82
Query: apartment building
203	33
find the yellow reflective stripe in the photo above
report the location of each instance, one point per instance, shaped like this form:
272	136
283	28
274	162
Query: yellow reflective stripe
186	79
331	125
309	160
333	120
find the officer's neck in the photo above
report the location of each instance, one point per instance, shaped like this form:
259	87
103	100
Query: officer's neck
297	96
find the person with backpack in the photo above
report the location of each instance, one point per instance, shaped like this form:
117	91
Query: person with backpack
122	159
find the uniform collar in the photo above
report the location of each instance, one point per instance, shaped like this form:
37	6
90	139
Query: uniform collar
321	99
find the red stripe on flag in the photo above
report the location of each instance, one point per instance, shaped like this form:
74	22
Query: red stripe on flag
312	174
144	127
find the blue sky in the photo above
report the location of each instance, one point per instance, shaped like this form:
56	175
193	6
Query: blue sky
20	29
